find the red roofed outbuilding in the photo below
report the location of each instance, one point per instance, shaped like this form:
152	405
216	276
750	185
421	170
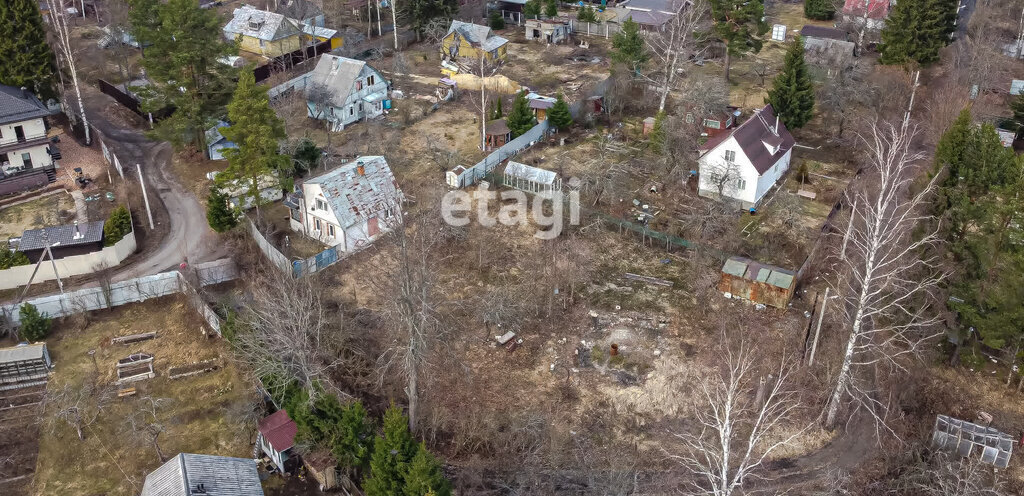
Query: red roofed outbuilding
277	438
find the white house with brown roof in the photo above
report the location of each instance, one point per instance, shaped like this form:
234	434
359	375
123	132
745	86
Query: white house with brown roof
343	91
23	141
746	163
349	206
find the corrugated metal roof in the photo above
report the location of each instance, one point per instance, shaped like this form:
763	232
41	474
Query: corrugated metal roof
219	475
17	105
66	235
529	173
338	75
270	26
319	31
353	196
756	271
22	353
477	35
666	6
813	31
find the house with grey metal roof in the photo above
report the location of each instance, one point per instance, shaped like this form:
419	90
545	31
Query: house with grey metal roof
264	33
190	475
466	40
342	91
307	12
24	365
24	143
350	206
64	241
744	164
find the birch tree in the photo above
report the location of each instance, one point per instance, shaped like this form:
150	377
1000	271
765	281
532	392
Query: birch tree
62	33
678	40
889	270
738	426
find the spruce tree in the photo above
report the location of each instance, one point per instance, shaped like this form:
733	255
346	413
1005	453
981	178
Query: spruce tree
1017	107
182	65
950	150
144	19
657	136
353	441
739	25
916	30
628	46
559	115
792	93
26	60
551	8
520	119
392	453
531	9
256	130
425	476
496	21
219	214
421	12
496	111
117	226
822	10
10	258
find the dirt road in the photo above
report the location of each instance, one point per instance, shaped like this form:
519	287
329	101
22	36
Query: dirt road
187	235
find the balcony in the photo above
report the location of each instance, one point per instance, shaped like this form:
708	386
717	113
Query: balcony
23	142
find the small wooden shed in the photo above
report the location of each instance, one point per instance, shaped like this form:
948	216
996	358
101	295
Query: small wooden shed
757	282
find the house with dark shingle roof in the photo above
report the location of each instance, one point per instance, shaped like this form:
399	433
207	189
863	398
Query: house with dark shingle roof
350	206
746	163
277	438
64	241
190	475
23	141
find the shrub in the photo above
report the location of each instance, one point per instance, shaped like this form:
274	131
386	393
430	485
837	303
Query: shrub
34	325
496	21
117	226
10	259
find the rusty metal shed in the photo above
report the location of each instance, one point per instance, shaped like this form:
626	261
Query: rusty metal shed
757	282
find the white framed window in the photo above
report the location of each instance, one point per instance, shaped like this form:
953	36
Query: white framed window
316	224
320	204
359	85
351	111
741	184
360	107
730	155
713	124
388	213
369	80
330	230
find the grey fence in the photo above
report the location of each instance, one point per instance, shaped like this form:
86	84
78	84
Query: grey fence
604	29
473	174
131	291
273	254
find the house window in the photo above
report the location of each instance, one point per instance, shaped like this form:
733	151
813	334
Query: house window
26	158
316	224
730	156
369	80
360	107
320	204
741	184
387	213
330	230
359	85
713	124
351	110
4	160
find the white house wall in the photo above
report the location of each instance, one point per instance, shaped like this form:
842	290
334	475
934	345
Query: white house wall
310	193
772	176
349	112
32	129
714	162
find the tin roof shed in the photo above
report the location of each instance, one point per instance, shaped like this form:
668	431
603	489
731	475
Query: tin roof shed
757	282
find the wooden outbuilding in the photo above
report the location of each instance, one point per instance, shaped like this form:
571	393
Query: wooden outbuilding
24	365
759	283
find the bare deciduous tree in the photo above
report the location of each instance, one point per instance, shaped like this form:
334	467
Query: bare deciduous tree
287	333
77	406
678	39
738	424
66	53
889	271
145	426
946	474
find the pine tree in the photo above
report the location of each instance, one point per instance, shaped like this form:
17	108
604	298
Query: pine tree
27	61
144	19
586	13
551	8
425	476
628	46
34	324
392	453
531	9
822	10
916	30
1017	107
739	25
182	65
117	226
219	214
792	93
10	258
559	115
257	131
496	111
657	135
520	119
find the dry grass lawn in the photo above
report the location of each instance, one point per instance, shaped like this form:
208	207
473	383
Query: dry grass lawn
200	414
41	212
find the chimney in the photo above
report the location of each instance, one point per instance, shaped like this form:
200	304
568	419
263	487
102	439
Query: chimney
776	124
78	233
24	92
360	170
